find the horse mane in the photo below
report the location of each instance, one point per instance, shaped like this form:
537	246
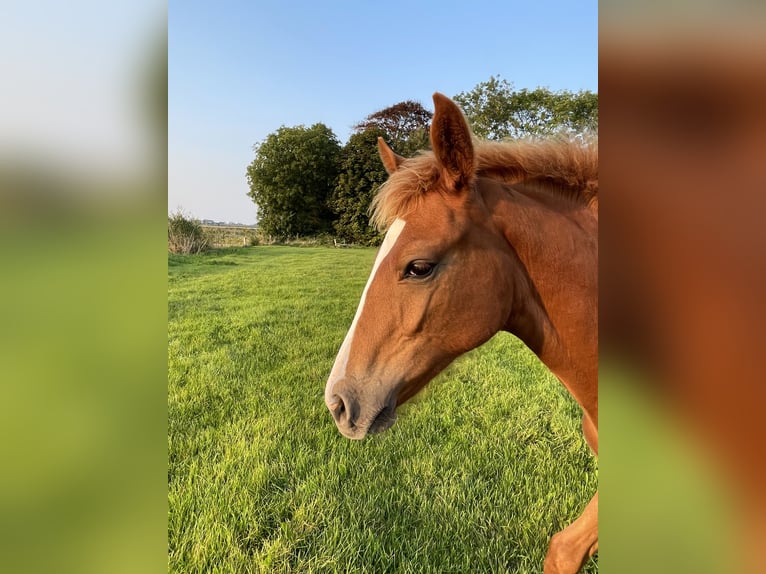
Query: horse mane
564	167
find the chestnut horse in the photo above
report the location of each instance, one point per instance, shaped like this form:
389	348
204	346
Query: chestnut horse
481	237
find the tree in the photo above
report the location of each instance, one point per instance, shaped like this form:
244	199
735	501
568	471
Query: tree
404	126
497	111
361	172
291	179
401	123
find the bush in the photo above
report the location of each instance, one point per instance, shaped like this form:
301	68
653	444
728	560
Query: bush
185	235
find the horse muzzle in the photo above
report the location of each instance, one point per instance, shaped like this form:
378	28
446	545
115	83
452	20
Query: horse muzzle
354	417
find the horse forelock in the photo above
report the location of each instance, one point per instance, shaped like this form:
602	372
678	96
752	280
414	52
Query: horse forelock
566	167
401	193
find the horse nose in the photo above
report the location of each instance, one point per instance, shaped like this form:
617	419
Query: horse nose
345	411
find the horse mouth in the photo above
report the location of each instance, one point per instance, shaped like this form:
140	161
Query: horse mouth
383	420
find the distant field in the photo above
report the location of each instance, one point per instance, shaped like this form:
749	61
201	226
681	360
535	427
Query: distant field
475	476
229	235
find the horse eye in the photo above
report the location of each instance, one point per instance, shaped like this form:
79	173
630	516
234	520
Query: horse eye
419	269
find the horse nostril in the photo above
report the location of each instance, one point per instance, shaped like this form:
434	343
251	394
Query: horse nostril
337	407
345	410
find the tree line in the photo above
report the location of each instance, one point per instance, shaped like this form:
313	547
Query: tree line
305	182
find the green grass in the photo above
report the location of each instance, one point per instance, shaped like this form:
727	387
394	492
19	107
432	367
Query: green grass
475	476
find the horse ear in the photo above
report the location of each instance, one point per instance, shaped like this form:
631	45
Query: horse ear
391	161
451	140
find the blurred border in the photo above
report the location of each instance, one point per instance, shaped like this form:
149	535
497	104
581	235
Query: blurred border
683	149
83	163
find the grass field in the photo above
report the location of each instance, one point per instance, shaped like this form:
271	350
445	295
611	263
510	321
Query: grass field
229	235
475	476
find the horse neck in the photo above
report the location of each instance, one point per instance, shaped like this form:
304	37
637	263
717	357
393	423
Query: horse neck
554	269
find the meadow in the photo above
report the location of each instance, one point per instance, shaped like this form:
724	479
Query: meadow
475	476
229	235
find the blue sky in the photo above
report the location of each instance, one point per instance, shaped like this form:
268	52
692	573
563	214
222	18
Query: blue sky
240	70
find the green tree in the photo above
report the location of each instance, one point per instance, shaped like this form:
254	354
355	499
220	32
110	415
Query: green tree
291	180
404	126
361	172
497	111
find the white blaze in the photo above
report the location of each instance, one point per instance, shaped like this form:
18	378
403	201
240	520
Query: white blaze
339	368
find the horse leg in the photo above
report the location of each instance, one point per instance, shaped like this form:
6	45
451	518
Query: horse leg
570	548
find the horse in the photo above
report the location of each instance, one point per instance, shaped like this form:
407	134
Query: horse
479	237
